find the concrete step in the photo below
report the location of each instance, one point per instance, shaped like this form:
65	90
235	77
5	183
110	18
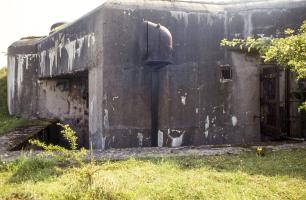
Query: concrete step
15	138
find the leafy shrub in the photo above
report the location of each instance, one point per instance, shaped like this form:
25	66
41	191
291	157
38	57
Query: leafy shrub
288	51
62	154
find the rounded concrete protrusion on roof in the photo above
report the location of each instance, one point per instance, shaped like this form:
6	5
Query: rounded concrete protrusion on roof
57	26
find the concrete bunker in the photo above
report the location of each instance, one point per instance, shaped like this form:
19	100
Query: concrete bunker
96	73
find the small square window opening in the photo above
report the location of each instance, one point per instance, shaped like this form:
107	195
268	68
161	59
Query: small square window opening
225	73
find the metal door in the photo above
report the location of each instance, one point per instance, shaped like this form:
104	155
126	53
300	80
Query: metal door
269	101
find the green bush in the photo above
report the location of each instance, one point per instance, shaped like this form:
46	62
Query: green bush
70	156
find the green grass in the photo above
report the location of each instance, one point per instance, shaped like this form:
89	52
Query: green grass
7	122
278	175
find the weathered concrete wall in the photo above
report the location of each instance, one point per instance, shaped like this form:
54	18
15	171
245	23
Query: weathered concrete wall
65	53
66	100
195	106
124	61
65	56
22	79
245	99
264	18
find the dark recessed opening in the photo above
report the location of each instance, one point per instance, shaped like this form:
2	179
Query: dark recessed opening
226	72
50	135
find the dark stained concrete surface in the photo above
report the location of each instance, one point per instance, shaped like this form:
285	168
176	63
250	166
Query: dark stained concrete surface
92	74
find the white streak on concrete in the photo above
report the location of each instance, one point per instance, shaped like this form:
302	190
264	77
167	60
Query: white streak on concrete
15	81
206	134
140	139
74	51
199	18
80	45
180	15
106	119
73	48
210	20
60	46
206	126
52	57
103	141
183	99
70	48
160	138
92	115
207	122
116	97
234	121
42	62
20	74
27	61
91	40
11	83
213	120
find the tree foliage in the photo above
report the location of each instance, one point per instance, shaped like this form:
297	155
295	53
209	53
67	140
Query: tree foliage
288	51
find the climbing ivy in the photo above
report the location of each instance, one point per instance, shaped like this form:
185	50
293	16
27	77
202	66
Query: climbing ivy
288	51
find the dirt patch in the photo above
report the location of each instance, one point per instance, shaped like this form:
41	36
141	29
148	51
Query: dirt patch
154	152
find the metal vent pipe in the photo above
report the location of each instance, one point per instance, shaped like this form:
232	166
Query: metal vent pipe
158	50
